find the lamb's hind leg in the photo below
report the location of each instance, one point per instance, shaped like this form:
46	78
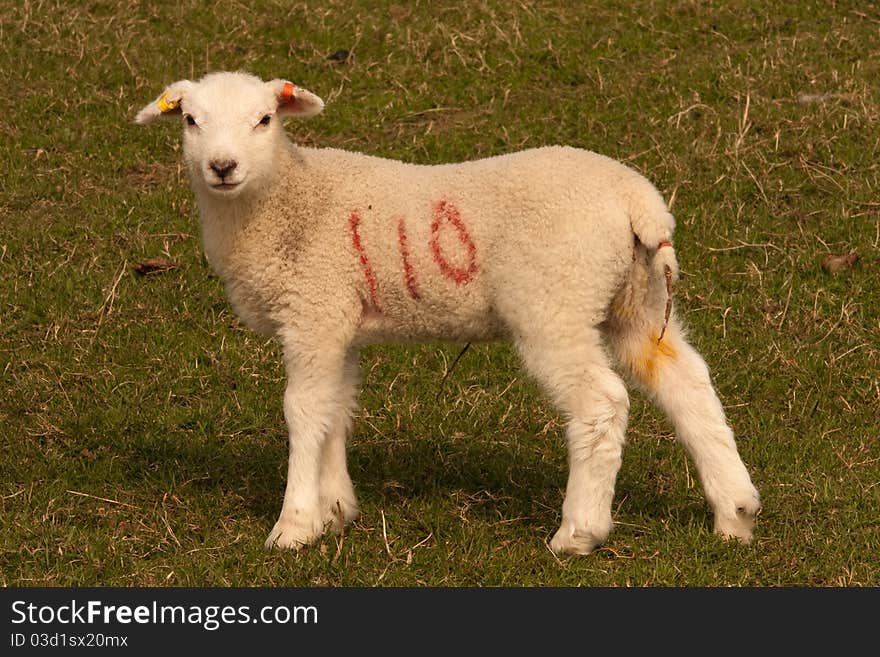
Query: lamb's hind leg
576	373
677	379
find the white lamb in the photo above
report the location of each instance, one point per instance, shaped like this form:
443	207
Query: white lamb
563	251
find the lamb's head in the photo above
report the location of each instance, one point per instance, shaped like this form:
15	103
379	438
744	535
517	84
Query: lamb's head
231	127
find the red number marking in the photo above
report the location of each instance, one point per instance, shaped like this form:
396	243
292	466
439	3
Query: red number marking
408	273
444	211
354	221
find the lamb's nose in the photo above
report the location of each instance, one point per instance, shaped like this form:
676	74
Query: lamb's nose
223	167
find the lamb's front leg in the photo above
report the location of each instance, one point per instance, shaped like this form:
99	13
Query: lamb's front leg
314	405
337	497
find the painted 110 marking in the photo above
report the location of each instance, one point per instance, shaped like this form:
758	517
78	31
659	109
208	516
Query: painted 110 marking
444	212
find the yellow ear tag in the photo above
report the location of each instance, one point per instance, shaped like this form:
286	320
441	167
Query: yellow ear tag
166	105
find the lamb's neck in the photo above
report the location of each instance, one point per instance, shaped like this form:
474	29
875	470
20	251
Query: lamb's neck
223	222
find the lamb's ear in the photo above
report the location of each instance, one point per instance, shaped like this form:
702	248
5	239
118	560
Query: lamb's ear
295	101
167	104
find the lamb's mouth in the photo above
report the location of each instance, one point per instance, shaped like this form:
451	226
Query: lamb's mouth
225	186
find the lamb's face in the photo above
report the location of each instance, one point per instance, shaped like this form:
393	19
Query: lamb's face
231	127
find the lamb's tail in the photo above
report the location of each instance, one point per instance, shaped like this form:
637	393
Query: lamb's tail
647	294
653	226
663	260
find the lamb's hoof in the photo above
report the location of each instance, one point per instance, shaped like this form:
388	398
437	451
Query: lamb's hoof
740	522
572	540
339	513
294	531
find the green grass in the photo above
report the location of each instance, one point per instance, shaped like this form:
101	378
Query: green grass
142	436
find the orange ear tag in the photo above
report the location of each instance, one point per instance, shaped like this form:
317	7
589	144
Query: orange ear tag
287	91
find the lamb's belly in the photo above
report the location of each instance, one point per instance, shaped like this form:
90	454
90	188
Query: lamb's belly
429	320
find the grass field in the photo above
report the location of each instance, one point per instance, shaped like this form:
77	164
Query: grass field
143	441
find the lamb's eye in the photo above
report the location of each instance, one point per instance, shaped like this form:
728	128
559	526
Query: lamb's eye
189	120
266	120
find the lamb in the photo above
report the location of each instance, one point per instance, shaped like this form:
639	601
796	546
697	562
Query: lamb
563	251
